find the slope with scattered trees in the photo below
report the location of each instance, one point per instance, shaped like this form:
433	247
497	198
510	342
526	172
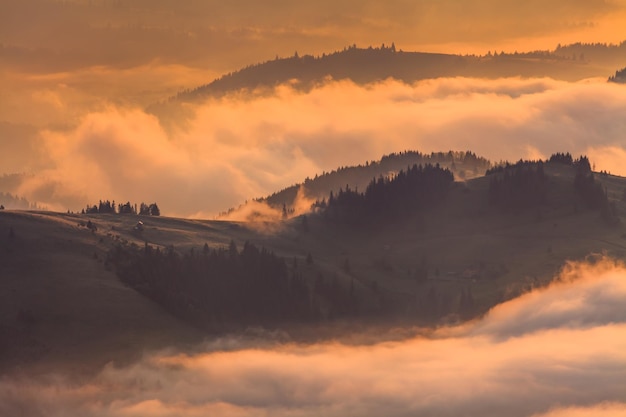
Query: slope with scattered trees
464	165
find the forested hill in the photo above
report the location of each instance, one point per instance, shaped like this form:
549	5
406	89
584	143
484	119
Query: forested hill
464	165
366	65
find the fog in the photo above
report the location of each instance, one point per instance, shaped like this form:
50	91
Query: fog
556	351
241	147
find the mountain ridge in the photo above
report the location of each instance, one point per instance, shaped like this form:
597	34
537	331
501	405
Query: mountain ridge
365	65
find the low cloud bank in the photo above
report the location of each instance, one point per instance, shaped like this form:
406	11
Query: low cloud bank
553	352
238	148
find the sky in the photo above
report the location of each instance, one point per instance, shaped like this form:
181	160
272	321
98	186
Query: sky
552	352
76	77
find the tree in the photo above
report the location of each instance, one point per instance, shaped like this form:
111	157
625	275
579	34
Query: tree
562	158
126	208
144	209
154	210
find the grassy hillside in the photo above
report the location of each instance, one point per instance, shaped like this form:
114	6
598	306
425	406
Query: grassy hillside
61	299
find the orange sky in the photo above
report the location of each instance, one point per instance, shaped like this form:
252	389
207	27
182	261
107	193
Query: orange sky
55	35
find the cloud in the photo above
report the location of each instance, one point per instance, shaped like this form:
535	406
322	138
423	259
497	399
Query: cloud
242	147
262	217
567	356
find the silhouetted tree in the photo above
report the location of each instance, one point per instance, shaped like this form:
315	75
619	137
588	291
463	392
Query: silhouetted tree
562	158
154	210
126	208
144	209
106	207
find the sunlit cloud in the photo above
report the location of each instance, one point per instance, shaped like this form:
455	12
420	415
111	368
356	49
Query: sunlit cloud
241	147
555	351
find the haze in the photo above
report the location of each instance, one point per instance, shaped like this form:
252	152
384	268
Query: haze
76	77
526	305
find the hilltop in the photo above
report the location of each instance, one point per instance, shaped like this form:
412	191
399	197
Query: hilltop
464	165
298	197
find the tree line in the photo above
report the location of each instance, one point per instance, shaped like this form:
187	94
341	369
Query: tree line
228	285
462	164
417	188
109	207
524	185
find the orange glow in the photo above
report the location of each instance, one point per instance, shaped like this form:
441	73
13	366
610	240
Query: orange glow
93	69
225	151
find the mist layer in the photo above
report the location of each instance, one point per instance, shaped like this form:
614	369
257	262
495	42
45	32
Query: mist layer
556	351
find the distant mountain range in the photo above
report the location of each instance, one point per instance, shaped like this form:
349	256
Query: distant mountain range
366	65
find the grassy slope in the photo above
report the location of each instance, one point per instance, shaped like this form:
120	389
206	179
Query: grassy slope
73	310
473	245
59	306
